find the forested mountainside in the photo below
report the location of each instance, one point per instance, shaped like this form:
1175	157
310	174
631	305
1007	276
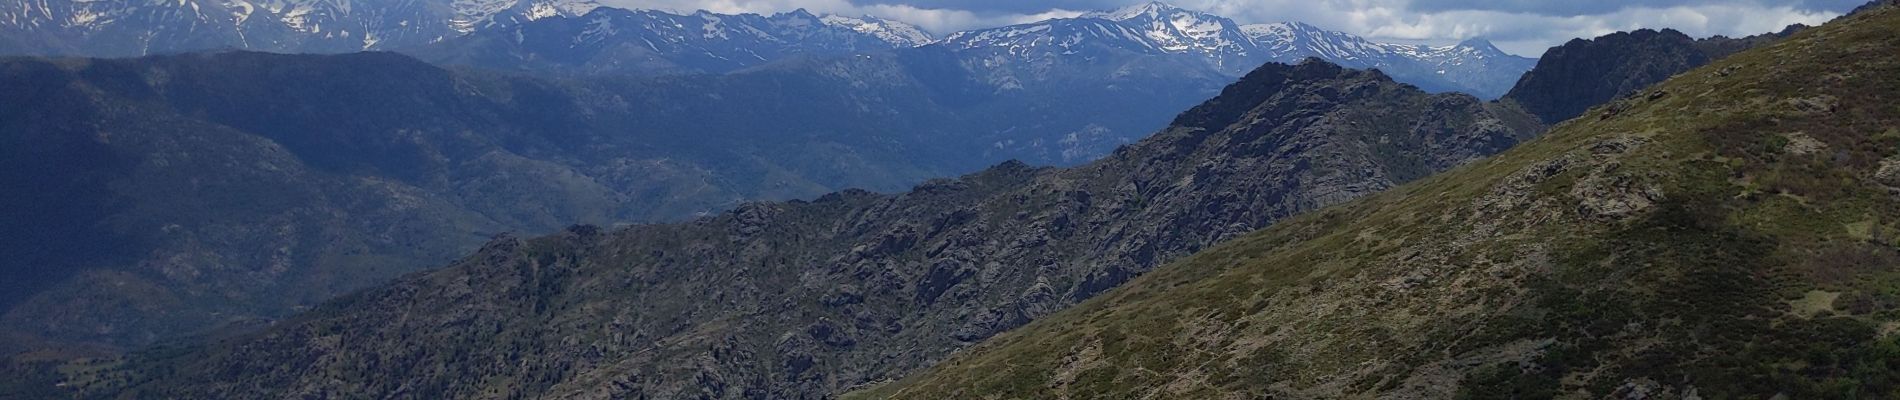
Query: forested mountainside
1728	234
807	299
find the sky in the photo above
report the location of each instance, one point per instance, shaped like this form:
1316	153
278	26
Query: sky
1524	27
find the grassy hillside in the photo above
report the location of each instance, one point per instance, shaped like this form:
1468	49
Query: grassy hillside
1730	233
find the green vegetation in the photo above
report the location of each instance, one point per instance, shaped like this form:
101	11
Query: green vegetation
1669	248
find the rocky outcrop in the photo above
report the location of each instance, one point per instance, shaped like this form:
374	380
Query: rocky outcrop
1875	4
806	299
1889	174
1571	78
1580	74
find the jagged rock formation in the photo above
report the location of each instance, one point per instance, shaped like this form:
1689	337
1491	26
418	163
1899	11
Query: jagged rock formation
1729	235
806	299
1581	74
1873	5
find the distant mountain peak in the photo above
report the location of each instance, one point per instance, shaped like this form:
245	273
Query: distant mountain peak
1286	26
1289	28
896	32
1479	43
798	13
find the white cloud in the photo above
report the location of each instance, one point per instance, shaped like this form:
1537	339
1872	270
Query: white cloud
1531	34
1518	32
943	21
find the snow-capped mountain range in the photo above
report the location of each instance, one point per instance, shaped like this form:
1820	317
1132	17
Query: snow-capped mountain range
582	36
138	27
1474	66
647	42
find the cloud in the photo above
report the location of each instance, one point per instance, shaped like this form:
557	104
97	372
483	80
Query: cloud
1524	27
1582	8
1528	27
943	21
1530	34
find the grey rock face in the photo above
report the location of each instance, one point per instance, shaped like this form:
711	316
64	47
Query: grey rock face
1889	172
